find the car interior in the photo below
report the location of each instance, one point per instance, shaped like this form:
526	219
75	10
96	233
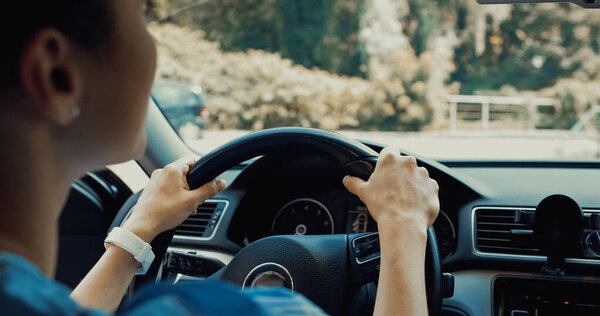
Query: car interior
485	231
517	237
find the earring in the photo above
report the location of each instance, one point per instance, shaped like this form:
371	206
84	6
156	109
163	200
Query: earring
75	112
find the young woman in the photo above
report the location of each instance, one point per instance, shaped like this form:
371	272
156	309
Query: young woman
75	78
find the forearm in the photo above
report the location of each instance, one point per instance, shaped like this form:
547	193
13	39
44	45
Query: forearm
105	285
401	287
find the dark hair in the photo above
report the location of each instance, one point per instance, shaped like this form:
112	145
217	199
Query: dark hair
86	22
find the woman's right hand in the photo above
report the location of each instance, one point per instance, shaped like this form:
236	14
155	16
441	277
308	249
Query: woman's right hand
167	200
404	201
398	191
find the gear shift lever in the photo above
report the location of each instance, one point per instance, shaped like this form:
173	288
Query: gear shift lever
557	229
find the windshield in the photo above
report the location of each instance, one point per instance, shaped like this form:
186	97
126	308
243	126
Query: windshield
448	79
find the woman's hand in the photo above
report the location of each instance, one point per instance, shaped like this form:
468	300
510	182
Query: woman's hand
404	201
167	200
398	191
165	203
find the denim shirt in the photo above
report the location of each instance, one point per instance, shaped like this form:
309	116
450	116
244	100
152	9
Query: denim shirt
24	290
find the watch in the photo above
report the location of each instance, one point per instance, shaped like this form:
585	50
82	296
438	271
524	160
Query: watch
128	241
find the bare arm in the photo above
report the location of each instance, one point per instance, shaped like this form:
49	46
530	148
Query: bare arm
165	203
403	200
104	286
401	287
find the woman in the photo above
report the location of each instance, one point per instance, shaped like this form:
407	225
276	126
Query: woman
75	78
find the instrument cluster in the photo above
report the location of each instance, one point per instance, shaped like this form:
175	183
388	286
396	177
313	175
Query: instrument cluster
340	212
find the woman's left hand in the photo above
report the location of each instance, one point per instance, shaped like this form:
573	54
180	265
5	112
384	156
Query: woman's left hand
167	200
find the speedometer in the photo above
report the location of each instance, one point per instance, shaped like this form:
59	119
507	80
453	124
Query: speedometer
303	217
445	233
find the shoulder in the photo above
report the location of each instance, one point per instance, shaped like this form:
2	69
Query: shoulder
24	290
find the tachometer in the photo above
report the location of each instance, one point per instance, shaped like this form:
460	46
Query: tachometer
445	233
303	217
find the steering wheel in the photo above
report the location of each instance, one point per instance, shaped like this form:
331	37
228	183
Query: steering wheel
324	268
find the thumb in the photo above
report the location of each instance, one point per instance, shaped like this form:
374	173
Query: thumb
354	184
207	191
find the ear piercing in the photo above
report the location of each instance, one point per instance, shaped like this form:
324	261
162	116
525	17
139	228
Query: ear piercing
75	112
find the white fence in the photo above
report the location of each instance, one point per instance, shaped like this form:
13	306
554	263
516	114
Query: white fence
530	105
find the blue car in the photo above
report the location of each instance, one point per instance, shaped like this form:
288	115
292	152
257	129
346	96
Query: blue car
183	104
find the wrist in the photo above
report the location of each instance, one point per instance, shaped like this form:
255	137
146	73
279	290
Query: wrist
122	255
403	233
410	223
132	243
144	232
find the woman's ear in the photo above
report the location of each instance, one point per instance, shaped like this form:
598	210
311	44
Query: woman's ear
51	77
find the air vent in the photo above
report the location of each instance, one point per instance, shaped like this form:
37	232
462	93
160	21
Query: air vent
205	222
505	230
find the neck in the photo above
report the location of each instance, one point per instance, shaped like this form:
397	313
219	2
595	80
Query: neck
34	185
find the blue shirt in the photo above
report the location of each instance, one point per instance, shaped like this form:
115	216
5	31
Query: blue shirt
24	290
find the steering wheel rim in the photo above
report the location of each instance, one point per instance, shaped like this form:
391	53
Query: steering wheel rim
354	157
347	152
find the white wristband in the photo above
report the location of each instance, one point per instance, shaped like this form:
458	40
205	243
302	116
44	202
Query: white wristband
128	241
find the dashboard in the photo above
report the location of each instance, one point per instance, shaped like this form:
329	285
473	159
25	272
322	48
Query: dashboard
301	194
342	212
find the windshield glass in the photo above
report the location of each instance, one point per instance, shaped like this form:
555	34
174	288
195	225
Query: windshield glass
445	79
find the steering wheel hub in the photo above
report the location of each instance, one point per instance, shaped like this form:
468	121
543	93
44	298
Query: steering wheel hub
269	274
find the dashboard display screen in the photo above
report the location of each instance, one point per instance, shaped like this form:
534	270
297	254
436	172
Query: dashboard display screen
359	220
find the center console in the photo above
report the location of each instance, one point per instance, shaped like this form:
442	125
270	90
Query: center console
558	227
543	296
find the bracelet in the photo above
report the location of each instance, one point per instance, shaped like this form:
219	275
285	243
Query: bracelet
130	242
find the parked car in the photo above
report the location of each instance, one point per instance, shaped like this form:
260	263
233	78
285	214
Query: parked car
184	106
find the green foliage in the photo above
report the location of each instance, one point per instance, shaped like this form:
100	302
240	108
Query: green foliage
531	48
512	61
423	14
312	33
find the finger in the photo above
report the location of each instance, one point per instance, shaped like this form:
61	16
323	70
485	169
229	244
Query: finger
207	191
436	186
187	161
409	161
388	156
182	164
385	150
175	169
424	172
389	153
155	173
354	185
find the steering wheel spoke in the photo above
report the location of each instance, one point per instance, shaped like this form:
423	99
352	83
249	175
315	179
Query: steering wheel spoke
364	258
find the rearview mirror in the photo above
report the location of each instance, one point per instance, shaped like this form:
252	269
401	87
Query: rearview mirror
583	3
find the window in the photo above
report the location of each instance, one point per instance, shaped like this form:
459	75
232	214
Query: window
447	79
